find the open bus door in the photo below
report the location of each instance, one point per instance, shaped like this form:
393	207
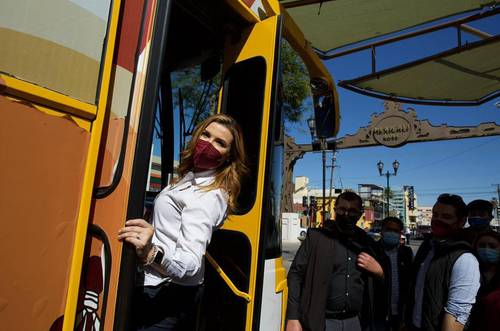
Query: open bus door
246	254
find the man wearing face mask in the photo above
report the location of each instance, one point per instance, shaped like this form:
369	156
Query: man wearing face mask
479	216
446	272
398	262
332	277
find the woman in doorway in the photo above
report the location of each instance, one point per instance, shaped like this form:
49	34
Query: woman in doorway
171	249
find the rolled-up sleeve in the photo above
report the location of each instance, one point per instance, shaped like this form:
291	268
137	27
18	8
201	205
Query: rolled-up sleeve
204	212
464	284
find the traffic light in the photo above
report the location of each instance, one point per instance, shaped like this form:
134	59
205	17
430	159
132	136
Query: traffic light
314	203
304	201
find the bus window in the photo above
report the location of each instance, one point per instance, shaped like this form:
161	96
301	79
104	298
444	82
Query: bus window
275	198
243	100
55	44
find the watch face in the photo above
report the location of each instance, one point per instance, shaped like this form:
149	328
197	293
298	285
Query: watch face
158	257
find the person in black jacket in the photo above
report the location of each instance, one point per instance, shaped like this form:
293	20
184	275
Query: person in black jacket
397	268
331	278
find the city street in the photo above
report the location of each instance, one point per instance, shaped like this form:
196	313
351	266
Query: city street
289	250
291	247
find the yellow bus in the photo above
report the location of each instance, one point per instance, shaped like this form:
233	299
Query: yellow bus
81	84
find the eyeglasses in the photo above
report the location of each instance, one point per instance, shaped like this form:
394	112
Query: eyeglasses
348	212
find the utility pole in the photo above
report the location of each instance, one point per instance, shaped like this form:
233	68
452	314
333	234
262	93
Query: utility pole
323	154
498	201
334	158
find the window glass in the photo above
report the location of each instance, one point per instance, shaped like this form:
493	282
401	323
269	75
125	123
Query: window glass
55	44
243	99
273	219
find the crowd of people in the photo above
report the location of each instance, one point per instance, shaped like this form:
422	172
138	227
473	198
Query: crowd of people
341	279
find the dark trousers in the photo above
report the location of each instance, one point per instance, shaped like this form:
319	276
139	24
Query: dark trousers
167	307
348	324
395	323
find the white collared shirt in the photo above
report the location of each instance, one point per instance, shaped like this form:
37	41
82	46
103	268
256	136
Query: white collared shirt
184	218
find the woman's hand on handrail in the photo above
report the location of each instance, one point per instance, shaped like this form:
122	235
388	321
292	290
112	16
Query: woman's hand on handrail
139	233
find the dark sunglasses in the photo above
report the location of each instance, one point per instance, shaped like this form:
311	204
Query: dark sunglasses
348	212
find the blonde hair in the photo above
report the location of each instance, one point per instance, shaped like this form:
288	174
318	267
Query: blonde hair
229	173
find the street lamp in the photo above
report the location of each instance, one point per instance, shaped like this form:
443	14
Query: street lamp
395	166
312	128
311	123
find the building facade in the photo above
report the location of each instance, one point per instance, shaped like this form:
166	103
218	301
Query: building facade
424	215
373	203
404	204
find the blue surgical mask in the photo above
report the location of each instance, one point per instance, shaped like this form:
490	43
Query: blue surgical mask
478	222
488	255
390	238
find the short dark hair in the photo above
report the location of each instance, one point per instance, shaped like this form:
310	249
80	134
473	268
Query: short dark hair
392	219
489	233
480	204
455	201
350	196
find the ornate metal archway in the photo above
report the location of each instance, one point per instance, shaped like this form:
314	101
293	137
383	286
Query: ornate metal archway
394	127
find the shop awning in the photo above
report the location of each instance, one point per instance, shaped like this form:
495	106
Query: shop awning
329	25
466	76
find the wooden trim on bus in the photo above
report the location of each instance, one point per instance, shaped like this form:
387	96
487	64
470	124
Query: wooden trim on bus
88	180
45	97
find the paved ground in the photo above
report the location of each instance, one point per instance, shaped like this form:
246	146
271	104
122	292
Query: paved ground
289	250
415	244
291	247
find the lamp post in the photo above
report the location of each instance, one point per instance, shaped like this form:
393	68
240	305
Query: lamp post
312	128
395	166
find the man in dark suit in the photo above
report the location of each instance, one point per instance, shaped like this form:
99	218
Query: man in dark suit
331	280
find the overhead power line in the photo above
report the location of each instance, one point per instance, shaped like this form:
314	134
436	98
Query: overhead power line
425	165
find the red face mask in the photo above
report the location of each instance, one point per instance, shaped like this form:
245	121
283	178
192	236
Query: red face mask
441	229
206	156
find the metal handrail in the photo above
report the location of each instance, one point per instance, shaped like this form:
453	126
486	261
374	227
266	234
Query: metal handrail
227	280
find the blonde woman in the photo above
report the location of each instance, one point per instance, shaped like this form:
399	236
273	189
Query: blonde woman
185	214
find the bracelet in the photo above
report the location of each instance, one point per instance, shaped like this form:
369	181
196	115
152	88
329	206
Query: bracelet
151	257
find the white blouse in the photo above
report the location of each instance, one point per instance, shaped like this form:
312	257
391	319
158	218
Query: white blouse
184	218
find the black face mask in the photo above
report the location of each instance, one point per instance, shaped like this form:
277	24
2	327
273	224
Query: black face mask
346	223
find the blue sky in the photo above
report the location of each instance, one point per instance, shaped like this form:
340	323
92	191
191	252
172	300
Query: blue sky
467	167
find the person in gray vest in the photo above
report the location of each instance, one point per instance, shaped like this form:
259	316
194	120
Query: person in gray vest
331	278
446	272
